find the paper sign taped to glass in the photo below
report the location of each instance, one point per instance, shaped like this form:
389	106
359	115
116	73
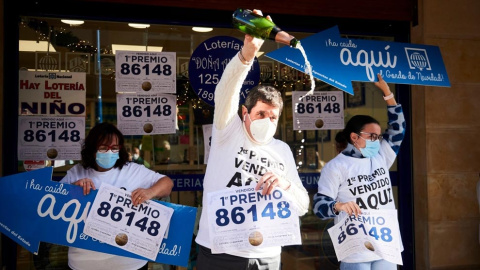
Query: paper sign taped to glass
242	218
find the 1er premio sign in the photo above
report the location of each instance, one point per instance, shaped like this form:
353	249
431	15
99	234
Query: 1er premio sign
114	220
47	138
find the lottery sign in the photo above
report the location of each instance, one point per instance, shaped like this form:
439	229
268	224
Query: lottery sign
374	234
146	114
319	110
44	138
114	220
145	71
241	218
208	62
52	93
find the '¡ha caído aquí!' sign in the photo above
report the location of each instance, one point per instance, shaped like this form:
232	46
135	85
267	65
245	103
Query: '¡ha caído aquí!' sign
339	61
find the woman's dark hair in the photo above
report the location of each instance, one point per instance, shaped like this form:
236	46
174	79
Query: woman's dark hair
102	133
267	94
355	125
340	142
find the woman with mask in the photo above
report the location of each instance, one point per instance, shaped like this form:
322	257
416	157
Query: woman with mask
105	160
366	159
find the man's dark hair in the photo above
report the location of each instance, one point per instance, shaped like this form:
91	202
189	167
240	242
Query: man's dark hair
102	133
267	94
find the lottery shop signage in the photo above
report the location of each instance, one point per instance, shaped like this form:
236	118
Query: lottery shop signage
208	62
153	72
339	61
52	93
46	138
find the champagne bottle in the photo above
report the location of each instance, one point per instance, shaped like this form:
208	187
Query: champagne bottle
260	27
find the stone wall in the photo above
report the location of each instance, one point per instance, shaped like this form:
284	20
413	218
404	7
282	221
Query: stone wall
446	148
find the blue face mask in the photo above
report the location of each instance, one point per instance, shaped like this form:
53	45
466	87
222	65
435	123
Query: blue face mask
106	160
371	149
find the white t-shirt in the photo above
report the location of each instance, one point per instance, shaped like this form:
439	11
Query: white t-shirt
236	161
130	177
365	181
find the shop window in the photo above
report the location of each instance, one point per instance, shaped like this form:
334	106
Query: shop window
74	48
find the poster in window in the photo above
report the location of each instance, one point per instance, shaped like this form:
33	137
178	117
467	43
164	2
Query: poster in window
107	64
77	62
48	61
182	66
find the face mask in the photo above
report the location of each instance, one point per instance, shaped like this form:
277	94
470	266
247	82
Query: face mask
106	160
262	129
371	149
135	156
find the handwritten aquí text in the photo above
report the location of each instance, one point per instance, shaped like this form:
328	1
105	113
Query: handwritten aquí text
367	60
73	219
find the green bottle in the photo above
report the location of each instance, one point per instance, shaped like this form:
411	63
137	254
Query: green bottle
260	27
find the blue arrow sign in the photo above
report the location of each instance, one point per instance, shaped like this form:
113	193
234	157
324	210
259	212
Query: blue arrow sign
339	61
36	209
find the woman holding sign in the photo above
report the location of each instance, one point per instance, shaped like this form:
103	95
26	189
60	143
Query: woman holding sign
105	160
358	180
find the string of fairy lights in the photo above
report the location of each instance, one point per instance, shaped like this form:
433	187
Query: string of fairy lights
284	78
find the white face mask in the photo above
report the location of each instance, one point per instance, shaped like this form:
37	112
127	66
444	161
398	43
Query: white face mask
136	156
262	129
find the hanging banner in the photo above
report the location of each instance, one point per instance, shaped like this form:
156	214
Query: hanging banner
54	212
375	234
44	138
52	93
320	110
146	114
153	72
208	62
339	61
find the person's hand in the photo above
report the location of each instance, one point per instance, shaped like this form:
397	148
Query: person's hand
269	181
351	208
87	185
141	195
252	45
382	85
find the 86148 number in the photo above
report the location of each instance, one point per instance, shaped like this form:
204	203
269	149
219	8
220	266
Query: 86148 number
41	135
116	214
237	216
384	233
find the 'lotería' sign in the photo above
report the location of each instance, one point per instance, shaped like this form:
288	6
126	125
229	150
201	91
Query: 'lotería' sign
339	61
208	62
